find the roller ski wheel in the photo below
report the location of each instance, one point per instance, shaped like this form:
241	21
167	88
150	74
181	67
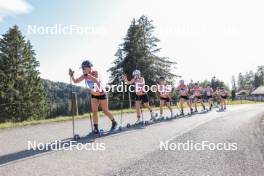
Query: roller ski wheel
181	115
128	125
153	120
101	132
220	110
154	115
76	137
141	123
189	113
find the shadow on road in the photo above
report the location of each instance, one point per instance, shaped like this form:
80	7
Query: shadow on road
36	152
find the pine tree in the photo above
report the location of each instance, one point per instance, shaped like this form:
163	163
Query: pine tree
139	51
22	95
241	81
260	74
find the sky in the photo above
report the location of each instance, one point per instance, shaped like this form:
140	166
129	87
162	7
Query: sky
206	38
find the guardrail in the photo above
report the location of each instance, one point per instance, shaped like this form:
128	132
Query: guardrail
251	98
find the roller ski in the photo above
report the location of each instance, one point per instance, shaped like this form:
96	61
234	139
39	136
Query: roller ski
153	117
210	108
114	127
204	110
160	118
182	114
221	109
172	116
136	124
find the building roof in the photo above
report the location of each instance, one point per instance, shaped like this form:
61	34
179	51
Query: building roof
258	91
243	92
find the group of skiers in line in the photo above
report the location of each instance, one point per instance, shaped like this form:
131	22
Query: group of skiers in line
189	95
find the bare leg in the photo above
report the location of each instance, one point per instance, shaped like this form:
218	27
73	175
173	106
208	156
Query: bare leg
146	105
161	107
95	104
210	103
195	105
189	103
137	106
202	104
105	109
222	103
169	106
181	104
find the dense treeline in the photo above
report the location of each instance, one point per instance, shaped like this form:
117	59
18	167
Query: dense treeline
58	98
250	80
214	83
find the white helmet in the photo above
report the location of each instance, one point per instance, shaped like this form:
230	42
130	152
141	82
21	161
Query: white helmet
136	73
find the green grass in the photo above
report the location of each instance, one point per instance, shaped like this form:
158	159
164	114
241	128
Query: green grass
58	119
68	118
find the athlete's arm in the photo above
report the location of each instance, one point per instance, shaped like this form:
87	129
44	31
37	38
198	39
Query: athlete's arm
143	80
169	95
81	78
71	73
93	78
156	91
129	82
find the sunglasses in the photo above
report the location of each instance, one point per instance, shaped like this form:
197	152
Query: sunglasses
83	68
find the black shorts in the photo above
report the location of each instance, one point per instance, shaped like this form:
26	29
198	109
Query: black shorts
198	99
209	97
184	97
143	98
224	97
99	97
167	100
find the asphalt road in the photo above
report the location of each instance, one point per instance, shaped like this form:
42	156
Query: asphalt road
138	152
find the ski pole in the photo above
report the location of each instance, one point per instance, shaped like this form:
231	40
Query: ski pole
73	123
141	112
122	106
90	104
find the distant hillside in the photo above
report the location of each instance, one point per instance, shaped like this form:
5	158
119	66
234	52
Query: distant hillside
58	98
